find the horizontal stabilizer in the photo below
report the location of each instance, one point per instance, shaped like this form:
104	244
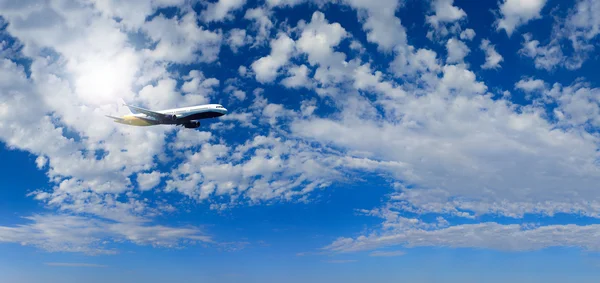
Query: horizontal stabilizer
113	117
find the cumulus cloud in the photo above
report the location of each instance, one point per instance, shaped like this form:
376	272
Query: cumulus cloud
147	181
278	169
545	57
221	10
181	40
298	77
238	38
319	37
492	57
444	13
380	22
530	85
467	34
267	68
457	51
580	28
261	22
515	13
583	23
438	126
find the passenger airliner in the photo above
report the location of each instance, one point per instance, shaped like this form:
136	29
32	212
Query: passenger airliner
185	116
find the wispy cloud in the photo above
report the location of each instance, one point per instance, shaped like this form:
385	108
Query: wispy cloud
74	264
390	253
341	261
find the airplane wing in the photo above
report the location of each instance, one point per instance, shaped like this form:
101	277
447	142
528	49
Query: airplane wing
156	115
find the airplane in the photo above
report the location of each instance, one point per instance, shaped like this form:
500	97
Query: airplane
186	116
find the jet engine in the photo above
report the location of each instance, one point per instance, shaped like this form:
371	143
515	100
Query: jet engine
173	117
192	125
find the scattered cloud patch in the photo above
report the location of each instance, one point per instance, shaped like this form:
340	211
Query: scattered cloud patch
298	77
467	34
457	51
221	10
238	38
515	13
267	68
530	85
492	57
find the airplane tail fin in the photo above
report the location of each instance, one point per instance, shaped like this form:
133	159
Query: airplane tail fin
129	109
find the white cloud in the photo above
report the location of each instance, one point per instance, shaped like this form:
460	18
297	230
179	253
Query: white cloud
380	22
238	38
516	13
179	40
578	104
288	3
530	85
318	38
467	34
188	139
584	23
41	161
267	68
488	235
546	57
262	169
242	70
197	87
261	21
455	132
444	20
445	11
221	10
457	51
462	81
410	62
580	27
62	233
492	58
298	78
132	13
147	181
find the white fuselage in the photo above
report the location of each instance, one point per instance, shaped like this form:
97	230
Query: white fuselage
194	110
183	115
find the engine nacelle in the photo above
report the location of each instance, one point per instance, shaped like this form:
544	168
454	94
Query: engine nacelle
173	117
192	125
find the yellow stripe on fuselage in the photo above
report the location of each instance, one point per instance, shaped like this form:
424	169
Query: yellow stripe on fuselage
135	121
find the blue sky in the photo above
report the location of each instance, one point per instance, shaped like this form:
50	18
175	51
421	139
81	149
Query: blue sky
366	141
